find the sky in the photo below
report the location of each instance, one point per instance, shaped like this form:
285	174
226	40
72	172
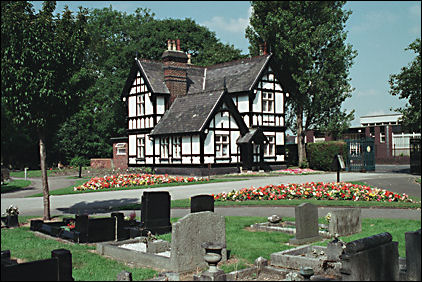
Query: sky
378	30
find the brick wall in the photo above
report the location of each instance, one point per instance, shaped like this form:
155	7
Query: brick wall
120	160
101	163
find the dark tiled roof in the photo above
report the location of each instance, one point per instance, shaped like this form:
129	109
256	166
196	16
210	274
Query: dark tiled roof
155	75
253	134
189	113
240	75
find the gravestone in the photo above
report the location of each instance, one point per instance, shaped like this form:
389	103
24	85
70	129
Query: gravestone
345	222
155	213
202	203
306	220
413	255
374	258
189	233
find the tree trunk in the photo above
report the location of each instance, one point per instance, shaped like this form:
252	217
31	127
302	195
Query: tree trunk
80	171
300	137
46	193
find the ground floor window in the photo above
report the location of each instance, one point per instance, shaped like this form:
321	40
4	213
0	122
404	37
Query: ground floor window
177	147
222	146
269	150
165	147
140	147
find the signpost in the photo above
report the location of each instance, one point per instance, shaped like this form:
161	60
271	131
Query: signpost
338	165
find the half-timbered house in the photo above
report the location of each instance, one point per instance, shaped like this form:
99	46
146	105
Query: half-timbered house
187	119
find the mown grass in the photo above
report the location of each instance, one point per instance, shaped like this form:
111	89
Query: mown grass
87	265
30	173
14	185
69	189
244	246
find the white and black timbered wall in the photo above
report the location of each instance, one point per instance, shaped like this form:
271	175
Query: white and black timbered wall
144	111
265	108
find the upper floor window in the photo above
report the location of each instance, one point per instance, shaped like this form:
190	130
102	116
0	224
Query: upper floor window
140	104
267	102
222	146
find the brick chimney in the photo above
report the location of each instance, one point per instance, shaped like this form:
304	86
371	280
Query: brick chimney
175	67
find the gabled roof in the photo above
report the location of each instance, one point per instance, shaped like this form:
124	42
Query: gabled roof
189	113
154	75
240	75
253	134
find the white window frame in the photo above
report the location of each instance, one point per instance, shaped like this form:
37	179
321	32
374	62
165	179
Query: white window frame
140	147
140	104
267	101
270	146
164	152
222	146
120	148
177	147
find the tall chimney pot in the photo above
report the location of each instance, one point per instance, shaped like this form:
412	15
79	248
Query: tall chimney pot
169	44
178	44
173	45
265	48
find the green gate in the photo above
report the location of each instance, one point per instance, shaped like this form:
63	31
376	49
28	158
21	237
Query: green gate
415	156
360	155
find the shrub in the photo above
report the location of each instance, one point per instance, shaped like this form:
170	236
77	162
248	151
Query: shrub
321	154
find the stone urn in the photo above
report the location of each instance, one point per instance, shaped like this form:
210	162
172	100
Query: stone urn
212	255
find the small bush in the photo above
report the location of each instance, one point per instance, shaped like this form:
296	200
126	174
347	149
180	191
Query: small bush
321	154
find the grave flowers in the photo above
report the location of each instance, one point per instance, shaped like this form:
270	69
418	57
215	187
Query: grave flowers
130	180
314	190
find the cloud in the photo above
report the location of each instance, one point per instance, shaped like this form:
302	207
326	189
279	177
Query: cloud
232	25
368	92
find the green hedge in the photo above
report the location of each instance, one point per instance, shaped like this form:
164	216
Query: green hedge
321	154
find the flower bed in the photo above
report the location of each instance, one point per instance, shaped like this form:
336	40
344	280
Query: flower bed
131	180
314	190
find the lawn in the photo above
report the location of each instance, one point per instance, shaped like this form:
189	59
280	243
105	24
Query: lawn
244	245
70	190
14	185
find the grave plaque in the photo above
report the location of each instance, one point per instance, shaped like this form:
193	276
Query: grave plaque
155	212
345	222
201	203
307	230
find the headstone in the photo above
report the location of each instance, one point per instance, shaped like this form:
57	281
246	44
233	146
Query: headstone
413	255
189	232
155	212
345	222
306	220
202	203
373	258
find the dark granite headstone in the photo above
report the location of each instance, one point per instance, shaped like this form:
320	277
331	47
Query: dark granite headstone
155	212
201	203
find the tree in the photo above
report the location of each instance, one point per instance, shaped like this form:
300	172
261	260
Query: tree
42	56
308	42
407	85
